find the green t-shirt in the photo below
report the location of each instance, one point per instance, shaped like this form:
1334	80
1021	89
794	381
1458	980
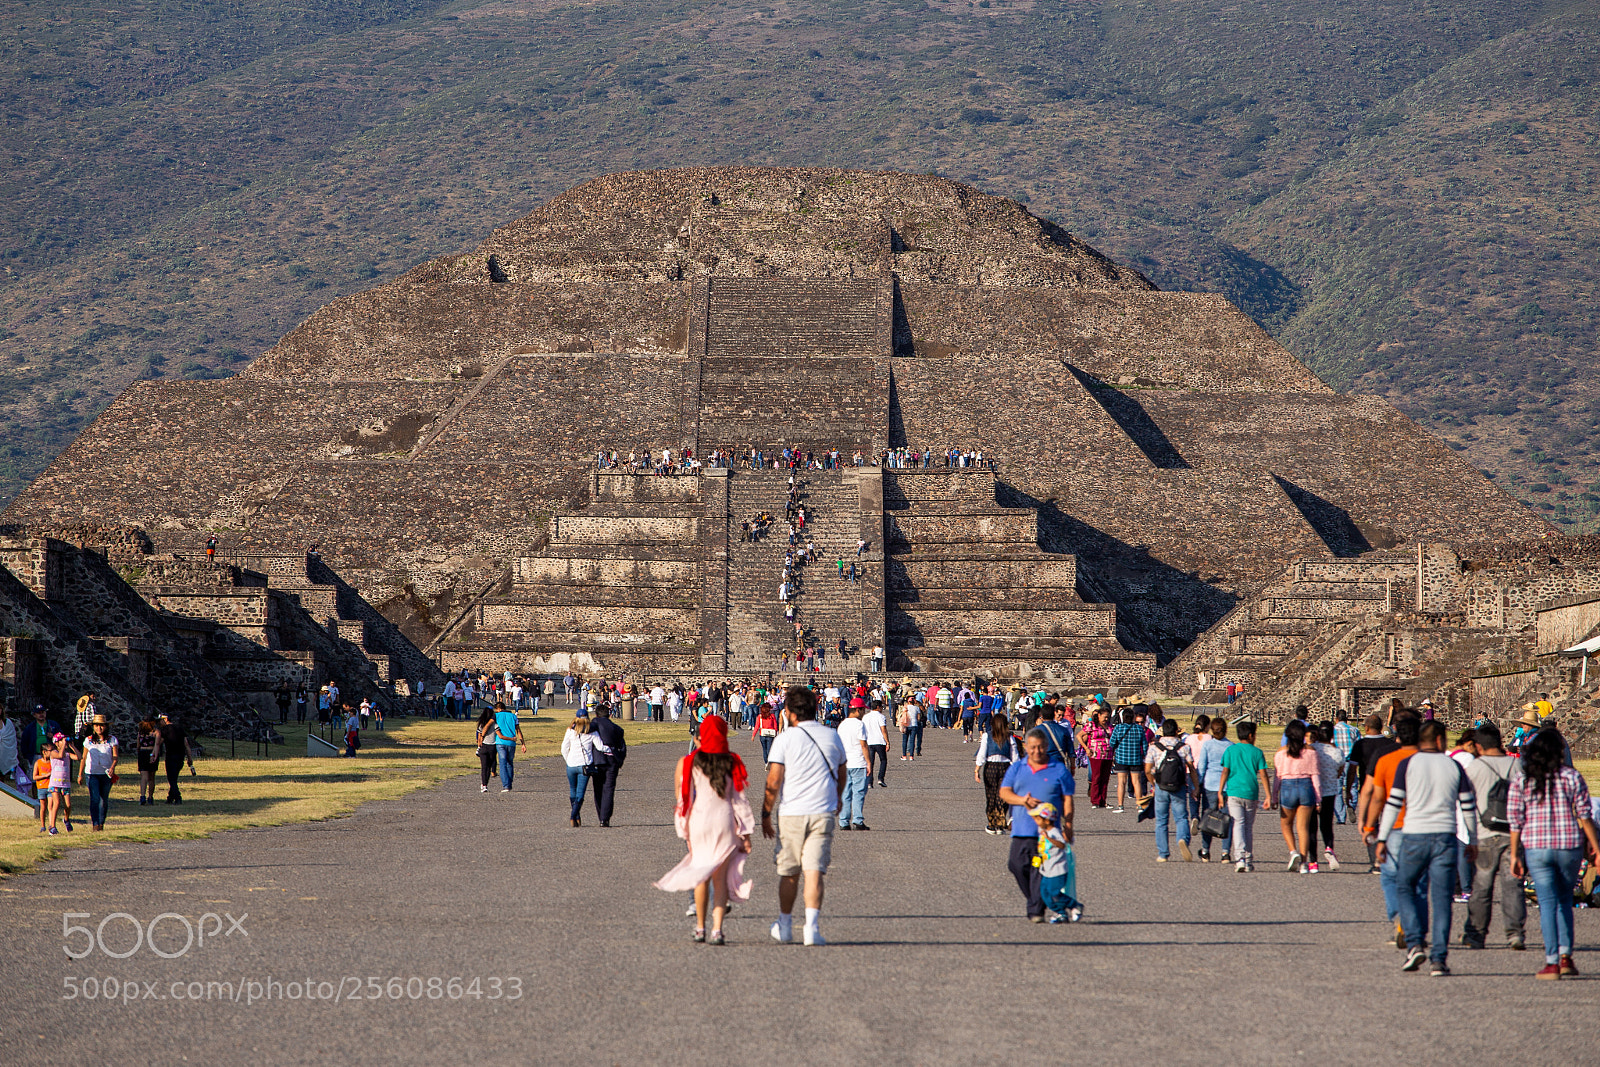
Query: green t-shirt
1244	764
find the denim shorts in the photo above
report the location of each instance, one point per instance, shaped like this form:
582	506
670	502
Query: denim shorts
1296	793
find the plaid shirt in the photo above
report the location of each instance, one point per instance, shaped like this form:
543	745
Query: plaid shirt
1550	821
1127	741
1345	738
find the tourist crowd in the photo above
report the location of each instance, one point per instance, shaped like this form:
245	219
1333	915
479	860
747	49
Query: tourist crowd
684	461
1442	824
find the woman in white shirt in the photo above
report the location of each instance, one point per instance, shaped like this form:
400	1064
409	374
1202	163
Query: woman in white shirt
98	766
577	748
997	751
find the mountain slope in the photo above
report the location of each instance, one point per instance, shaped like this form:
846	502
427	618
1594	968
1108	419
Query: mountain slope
185	183
1450	260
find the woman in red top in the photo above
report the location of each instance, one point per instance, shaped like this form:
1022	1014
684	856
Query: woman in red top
765	729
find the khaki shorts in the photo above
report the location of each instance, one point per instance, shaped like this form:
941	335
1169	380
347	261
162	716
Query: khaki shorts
805	843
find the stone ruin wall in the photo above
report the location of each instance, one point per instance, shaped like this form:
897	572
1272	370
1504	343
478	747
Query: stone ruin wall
1566	622
595	322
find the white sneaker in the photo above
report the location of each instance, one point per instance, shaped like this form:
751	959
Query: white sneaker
1116	811
1331	860
483	789
1295	862
782	932
1240	867
813	936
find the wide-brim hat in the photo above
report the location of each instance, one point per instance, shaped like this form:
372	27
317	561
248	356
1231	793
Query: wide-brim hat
99	720
1529	718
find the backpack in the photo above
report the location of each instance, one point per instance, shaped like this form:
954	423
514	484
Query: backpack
1170	772
1493	817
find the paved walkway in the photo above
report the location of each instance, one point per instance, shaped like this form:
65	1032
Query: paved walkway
931	961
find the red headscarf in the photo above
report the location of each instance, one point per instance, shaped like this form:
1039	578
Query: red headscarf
713	742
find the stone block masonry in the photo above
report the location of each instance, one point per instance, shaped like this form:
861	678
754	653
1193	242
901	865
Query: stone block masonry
434	440
1564	623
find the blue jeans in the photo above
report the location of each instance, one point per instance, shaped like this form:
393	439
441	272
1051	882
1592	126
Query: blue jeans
507	770
100	801
1170	804
766	747
577	785
916	732
1430	856
1389	878
1554	872
1056	893
855	796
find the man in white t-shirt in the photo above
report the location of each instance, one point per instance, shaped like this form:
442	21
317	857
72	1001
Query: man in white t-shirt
857	768
831	695
877	726
658	701
805	779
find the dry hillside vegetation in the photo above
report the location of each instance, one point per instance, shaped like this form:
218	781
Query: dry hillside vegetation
1402	193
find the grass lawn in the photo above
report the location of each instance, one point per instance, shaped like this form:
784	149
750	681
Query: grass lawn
287	786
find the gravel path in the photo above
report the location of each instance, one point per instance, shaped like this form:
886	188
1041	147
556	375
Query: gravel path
931	960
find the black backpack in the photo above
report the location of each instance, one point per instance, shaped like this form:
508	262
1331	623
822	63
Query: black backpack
1170	772
1493	816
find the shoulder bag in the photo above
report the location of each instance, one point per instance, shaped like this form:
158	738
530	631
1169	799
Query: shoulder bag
1218	823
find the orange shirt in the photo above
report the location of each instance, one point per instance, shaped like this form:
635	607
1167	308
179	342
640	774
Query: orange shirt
41	773
1383	781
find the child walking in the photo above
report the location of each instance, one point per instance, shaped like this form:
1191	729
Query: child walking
60	782
41	787
1058	870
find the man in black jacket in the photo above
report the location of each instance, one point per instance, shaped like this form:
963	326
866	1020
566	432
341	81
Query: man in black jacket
611	753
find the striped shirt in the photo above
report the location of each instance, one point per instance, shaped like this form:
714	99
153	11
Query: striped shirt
1437	797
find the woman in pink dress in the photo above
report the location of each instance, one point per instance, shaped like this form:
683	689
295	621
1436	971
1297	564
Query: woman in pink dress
714	817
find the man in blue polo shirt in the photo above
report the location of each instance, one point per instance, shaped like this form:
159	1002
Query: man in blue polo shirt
1027	784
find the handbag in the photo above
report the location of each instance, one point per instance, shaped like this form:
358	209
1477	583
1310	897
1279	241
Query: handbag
1217	823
